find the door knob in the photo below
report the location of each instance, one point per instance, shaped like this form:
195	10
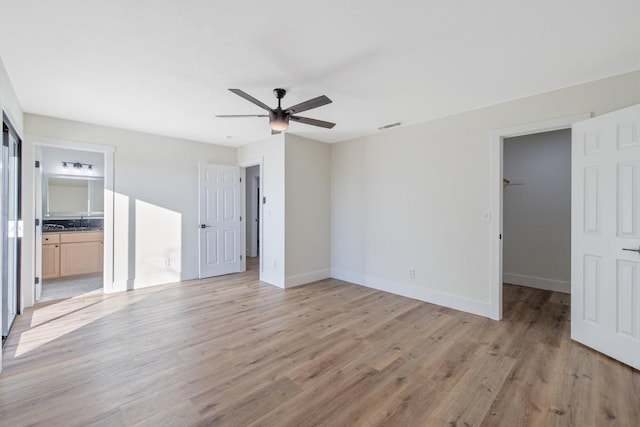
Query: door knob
204	226
632	250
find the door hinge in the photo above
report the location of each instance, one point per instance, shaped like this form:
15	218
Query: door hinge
240	257
37	222
501	237
240	179
37	163
264	200
37	280
240	219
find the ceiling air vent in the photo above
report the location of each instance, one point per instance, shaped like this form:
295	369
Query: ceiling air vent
392	125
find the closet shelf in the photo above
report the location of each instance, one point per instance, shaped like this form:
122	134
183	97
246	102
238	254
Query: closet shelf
507	182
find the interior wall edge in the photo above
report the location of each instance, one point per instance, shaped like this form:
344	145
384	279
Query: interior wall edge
302	279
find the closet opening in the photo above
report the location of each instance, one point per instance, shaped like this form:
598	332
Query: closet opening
536	211
510	180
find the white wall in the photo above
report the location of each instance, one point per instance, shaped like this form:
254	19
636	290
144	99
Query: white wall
296	218
9	101
155	198
307	210
251	174
537	214
52	158
271	152
413	197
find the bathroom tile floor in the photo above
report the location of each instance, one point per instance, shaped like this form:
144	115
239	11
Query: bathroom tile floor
71	287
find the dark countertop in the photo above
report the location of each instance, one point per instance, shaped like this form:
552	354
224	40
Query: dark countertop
66	230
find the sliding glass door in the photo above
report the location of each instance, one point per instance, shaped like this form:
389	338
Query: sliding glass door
11	225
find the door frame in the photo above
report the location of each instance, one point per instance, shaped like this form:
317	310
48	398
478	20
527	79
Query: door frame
496	138
30	234
254	185
258	161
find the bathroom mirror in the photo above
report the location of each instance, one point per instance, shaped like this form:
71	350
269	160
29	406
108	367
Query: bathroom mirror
65	196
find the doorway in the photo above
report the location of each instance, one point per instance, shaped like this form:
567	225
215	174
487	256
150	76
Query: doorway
252	232
537	210
33	275
253	200
71	208
497	138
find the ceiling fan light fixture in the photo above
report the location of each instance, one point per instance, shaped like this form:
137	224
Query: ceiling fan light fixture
279	125
279	121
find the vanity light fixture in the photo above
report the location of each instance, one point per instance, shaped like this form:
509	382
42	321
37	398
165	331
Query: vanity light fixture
77	165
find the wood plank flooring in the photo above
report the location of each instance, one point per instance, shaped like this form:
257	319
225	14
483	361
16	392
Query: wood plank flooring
234	351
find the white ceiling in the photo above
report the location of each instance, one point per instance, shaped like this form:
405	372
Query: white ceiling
164	66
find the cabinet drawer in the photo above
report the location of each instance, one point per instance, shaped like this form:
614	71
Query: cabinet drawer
50	238
82	236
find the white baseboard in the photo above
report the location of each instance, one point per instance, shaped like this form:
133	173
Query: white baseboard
148	281
537	282
301	279
416	292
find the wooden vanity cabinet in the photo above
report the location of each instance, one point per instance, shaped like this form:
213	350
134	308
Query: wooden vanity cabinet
50	256
75	252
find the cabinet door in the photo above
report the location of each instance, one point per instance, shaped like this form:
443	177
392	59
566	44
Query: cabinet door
80	258
50	261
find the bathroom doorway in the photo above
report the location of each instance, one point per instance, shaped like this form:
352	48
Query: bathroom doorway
71	208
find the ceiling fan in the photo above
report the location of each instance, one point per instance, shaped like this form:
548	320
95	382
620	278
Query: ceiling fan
279	118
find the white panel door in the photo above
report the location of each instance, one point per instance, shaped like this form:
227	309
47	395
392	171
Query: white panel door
220	222
605	242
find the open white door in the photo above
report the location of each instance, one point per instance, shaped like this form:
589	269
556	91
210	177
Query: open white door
220	222
605	245
37	184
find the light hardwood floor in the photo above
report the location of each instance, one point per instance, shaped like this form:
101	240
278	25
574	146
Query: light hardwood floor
234	351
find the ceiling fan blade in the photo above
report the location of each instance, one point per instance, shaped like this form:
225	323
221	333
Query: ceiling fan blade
312	122
250	98
308	105
226	116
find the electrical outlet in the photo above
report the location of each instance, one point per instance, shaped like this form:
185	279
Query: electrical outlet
412	273
167	262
